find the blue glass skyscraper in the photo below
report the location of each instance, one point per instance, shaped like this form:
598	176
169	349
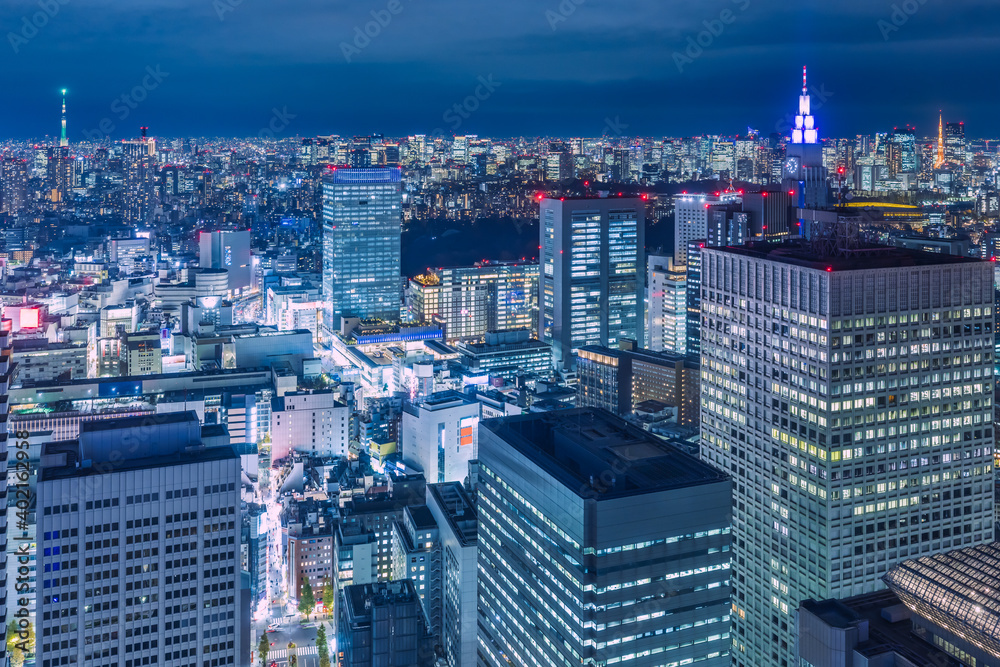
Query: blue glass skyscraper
361	244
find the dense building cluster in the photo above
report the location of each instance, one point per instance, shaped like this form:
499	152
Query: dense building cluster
736	407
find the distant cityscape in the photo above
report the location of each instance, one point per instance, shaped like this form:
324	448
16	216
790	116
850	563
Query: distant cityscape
460	401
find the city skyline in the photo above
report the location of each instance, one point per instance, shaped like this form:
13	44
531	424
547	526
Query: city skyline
568	68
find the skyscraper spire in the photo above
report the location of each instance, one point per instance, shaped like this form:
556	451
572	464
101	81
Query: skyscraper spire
805	131
940	152
63	141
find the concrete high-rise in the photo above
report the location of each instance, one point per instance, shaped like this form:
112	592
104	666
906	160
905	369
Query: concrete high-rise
13	185
592	263
691	218
439	435
139	191
139	546
599	544
851	399
362	227
667	317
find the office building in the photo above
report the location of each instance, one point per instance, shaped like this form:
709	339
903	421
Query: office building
139	546
229	250
591	289
13	185
382	625
599	544
904	144
507	354
954	144
312	423
693	338
507	292
618	380
434	545
309	557
143	353
691	215
870	629
439	435
457	524
38	360
416	555
362	218
667	326
462	310
140	169
850	397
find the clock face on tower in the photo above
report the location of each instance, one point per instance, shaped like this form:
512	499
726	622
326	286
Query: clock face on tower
792	167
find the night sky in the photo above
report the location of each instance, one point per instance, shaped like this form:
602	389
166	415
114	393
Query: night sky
597	67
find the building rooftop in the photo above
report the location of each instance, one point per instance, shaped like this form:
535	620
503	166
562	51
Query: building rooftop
890	630
362	598
579	447
961	586
422	517
187	457
457	508
868	257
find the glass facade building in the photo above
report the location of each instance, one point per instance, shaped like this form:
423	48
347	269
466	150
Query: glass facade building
599	544
851	398
592	284
362	211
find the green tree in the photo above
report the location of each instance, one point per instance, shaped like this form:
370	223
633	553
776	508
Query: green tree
328	595
293	660
17	646
264	647
321	648
307	601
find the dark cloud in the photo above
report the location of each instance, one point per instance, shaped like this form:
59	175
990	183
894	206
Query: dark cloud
563	68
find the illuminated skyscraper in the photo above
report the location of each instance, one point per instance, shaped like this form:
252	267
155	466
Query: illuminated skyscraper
592	264
58	174
599	544
903	142
851	400
13	185
940	142
63	141
954	143
667	327
362	226
138	193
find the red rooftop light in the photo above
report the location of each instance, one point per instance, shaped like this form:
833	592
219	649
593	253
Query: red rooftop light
829	268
